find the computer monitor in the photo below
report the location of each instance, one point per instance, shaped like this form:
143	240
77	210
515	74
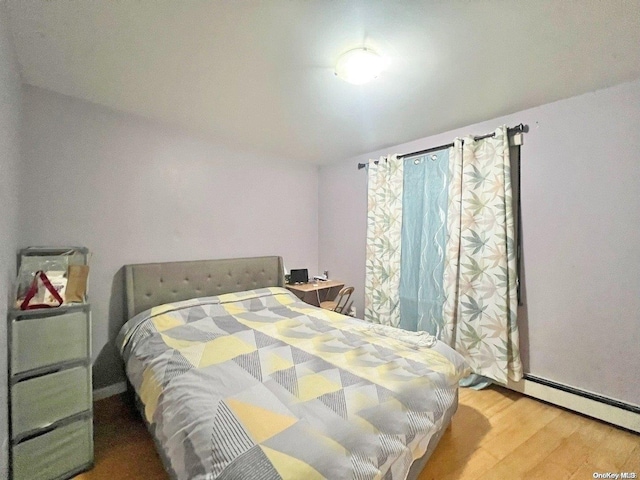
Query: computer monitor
299	276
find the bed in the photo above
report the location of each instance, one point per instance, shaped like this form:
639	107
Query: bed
236	378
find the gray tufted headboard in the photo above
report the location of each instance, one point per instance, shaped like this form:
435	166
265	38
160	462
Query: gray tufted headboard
152	284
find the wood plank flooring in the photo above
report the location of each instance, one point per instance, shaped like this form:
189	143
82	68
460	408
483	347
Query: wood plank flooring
496	434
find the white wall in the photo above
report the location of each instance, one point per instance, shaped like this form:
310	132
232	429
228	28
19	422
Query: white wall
135	191
10	118
581	236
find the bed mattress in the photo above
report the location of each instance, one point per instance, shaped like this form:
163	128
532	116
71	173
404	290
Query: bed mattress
258	384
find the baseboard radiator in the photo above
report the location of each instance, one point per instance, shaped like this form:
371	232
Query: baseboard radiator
603	408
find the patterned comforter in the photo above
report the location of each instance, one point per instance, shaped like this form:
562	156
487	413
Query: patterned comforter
258	384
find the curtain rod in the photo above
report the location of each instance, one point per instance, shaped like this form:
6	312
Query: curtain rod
517	129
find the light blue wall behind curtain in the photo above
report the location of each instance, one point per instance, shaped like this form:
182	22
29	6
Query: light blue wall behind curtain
424	222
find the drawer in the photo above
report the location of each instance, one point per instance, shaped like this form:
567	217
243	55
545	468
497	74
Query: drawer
38	342
41	401
54	454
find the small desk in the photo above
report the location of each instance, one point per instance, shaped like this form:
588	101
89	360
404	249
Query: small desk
311	292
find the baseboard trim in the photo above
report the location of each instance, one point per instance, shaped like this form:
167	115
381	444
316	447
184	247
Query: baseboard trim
596	406
109	391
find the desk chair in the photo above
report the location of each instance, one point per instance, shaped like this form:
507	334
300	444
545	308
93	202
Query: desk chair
340	303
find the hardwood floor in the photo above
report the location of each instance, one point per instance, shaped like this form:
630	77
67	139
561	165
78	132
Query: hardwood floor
500	434
124	449
496	434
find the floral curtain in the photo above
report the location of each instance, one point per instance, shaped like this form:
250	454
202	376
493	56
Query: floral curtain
479	279
383	253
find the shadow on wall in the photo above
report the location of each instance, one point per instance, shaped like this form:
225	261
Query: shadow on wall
523	314
109	363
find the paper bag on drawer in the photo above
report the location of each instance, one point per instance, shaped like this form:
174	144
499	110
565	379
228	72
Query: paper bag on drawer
76	283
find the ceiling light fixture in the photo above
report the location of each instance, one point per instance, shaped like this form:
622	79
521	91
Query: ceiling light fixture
358	66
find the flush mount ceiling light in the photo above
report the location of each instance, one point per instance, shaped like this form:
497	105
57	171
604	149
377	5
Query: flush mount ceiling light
358	66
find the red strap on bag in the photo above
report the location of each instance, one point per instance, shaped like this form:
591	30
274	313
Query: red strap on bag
33	289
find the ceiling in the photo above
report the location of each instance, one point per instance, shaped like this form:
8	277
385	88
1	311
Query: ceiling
259	74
